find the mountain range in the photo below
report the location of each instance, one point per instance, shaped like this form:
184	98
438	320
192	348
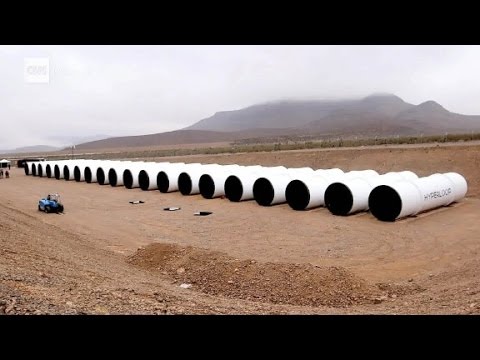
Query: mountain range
375	115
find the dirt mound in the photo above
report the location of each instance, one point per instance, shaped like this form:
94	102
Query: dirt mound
217	274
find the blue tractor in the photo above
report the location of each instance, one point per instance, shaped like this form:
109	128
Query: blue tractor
51	204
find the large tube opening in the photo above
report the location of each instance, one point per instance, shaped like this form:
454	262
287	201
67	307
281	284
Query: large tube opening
163	182
40	170
56	171
184	184
263	192
338	199
112	177
207	186
101	176
66	172
48	170
34	170
77	174
298	195
233	188
144	180
128	179
26	168
88	175
385	203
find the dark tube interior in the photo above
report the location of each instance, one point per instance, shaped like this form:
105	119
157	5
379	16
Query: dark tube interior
66	173
128	179
48	170
56	171
298	195
263	192
101	176
26	169
385	203
77	173
143	180
88	175
184	184
163	182
112	177
338	199
233	188
34	170
207	186
40	170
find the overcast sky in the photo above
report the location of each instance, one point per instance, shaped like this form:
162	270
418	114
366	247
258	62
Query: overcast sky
133	90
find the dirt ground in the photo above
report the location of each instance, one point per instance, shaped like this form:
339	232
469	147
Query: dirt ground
107	256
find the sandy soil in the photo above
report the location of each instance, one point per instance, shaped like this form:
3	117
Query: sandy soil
105	255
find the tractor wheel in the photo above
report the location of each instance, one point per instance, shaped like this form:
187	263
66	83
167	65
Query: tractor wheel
39	208
60	209
47	209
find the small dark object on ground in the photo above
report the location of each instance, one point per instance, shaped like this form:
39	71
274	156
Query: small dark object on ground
171	208
202	213
137	202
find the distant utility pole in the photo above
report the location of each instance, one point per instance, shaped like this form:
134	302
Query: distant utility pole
73	148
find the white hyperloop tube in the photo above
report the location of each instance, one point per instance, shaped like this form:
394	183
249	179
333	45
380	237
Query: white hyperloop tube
115	173
270	189
103	169
188	180
239	187
79	169
69	168
45	168
58	169
147	177
33	167
349	196
131	174
167	179
90	171
212	182
27	168
41	169
405	198
50	168
308	192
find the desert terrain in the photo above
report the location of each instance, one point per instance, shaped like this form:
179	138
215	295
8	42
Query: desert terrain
107	256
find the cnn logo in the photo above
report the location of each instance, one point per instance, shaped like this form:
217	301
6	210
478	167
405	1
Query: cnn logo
37	70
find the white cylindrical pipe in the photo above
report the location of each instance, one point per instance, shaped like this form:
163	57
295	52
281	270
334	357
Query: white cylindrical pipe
405	198
188	181
147	178
167	179
309	192
131	173
27	168
212	182
239	187
41	171
334	172
50	168
350	195
270	189
79	169
33	168
90	171
102	172
69	168
58	169
115	173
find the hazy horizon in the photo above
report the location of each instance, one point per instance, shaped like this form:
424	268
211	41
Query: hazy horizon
136	90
